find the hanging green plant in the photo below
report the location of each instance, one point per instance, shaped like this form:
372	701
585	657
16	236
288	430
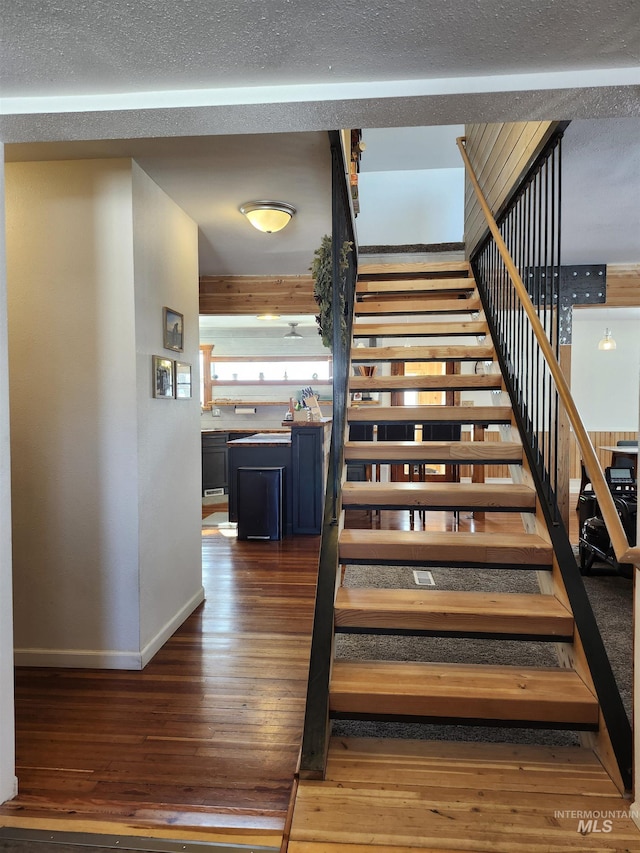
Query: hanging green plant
322	273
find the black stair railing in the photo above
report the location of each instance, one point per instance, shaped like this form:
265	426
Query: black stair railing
517	271
316	724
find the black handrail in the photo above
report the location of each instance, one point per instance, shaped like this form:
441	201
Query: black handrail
529	227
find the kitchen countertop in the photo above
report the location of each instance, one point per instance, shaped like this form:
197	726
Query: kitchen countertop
246	430
264	438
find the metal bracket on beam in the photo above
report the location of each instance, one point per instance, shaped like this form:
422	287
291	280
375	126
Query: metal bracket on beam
583	284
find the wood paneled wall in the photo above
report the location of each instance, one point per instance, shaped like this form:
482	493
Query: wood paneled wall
623	285
499	154
254	294
598	439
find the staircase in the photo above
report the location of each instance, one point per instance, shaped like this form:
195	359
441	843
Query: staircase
507	531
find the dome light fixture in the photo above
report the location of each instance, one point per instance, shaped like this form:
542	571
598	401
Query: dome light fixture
268	216
293	334
607	343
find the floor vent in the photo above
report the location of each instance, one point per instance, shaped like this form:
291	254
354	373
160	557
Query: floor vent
423	578
211	493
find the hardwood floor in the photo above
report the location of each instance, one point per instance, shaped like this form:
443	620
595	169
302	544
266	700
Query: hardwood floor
203	743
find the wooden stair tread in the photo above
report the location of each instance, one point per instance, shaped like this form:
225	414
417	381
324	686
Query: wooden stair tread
408	547
413	330
371	287
433	796
452	611
436	452
529	768
412	268
472	352
462	691
430	414
448	495
417	305
425	382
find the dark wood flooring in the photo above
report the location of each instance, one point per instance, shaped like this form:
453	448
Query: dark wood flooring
206	738
202	744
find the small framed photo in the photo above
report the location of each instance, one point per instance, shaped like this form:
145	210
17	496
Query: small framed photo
163	377
183	380
356	397
173	327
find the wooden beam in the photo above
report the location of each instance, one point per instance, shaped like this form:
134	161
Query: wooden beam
250	294
623	284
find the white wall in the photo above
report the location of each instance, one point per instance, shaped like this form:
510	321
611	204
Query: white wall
73	395
604	384
8	781
169	450
84	491
423	206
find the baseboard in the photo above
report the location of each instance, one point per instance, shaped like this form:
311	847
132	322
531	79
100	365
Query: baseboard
108	658
170	627
10	791
78	658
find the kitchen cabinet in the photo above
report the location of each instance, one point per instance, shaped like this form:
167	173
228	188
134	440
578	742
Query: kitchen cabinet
215	459
302	455
215	469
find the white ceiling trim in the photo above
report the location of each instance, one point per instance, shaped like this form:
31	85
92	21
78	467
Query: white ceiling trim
319	92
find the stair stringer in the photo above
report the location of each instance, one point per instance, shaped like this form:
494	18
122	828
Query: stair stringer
570	655
537	524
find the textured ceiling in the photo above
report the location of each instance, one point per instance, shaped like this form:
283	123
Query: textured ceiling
75	47
206	94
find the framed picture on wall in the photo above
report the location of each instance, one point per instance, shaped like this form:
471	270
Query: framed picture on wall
173	329
163	383
183	380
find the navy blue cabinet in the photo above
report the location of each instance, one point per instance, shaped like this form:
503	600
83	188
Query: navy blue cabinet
302	454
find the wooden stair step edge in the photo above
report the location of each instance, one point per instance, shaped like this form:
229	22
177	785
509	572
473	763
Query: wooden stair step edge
430	414
427	382
420	330
435	452
433	548
366	287
452	612
497	767
447	352
414	268
417	305
423	495
461	691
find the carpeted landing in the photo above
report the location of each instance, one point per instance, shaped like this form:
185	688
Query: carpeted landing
611	599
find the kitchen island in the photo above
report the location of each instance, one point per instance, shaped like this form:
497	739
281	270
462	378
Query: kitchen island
302	453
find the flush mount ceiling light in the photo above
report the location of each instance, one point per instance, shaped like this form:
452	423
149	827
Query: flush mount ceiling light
607	342
268	317
293	334
268	216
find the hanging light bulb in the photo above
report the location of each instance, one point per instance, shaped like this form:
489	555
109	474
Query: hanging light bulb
607	342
